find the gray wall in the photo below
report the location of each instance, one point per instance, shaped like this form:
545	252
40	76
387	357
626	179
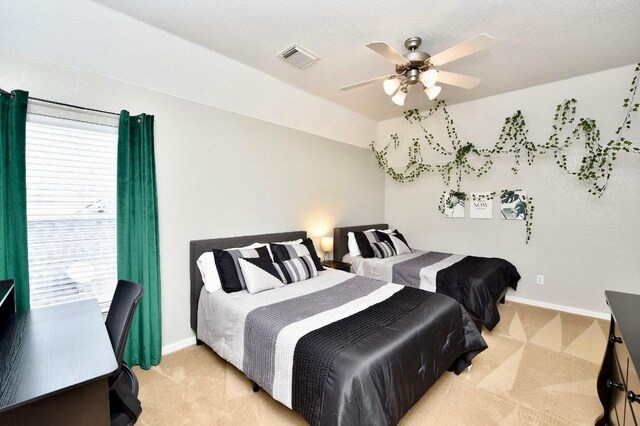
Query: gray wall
220	173
581	244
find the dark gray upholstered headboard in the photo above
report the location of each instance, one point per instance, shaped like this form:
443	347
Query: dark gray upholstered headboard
198	247
340	246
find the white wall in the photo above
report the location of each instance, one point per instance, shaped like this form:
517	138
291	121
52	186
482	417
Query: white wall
92	37
581	244
219	173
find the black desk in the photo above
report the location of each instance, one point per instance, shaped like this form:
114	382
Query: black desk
54	366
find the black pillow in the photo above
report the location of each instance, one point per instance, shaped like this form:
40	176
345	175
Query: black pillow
282	252
226	271
363	244
383	237
228	268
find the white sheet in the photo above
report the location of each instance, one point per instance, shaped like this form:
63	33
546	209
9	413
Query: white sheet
380	269
221	315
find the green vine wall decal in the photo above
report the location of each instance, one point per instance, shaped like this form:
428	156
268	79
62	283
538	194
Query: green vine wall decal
595	167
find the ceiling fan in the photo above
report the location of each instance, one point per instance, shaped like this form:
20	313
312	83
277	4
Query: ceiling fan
417	66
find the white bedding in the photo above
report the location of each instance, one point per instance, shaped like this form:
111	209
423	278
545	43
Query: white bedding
382	269
221	315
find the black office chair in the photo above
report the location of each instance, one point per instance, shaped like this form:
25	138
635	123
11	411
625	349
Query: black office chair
123	385
7	300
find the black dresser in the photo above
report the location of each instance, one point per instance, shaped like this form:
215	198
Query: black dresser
618	382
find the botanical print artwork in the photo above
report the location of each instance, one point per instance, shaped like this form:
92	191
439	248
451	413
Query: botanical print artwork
513	204
481	205
454	204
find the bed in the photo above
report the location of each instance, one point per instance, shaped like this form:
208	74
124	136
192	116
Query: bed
338	348
478	283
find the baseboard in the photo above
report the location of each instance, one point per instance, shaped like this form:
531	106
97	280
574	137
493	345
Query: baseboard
555	307
176	346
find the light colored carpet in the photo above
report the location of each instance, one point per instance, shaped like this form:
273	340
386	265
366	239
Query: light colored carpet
540	368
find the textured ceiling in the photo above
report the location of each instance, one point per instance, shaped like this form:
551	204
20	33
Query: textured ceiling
535	41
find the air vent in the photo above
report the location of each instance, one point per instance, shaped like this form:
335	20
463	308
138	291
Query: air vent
298	56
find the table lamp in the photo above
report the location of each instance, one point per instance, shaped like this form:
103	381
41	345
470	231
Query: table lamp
326	245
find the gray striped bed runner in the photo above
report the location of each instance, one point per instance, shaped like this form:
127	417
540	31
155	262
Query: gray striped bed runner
408	272
263	325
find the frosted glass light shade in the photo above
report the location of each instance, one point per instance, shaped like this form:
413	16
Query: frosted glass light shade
432	92
399	97
391	85
429	77
326	244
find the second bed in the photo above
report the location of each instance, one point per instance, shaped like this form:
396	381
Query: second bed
478	283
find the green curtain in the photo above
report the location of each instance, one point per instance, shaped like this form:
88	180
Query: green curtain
138	243
14	262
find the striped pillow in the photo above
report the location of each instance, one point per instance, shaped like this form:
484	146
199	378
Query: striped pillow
282	252
296	269
364	240
383	249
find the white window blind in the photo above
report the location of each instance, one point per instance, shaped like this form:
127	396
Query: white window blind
71	210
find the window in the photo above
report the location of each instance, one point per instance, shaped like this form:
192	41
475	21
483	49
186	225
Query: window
71	210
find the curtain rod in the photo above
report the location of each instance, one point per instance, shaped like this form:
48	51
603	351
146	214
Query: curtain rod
65	105
74	106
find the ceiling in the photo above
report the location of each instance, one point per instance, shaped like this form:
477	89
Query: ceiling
535	41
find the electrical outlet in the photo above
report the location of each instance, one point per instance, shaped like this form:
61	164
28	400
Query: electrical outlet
540	279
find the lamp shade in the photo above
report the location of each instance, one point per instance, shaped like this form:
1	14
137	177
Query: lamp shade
391	85
432	92
399	97
326	244
429	77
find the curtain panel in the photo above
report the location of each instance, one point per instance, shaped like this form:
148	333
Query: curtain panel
14	261
138	242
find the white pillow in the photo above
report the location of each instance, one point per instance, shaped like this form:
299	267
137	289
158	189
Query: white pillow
207	265
256	278
354	250
298	241
399	245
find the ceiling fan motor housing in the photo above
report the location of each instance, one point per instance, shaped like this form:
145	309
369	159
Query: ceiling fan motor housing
418	60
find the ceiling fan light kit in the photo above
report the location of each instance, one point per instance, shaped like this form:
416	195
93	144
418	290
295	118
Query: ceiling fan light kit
416	66
432	92
400	96
391	85
429	77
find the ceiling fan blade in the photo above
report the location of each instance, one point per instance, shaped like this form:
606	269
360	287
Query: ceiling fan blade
460	80
364	83
466	48
388	52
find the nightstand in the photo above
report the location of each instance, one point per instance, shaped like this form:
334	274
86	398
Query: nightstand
336	264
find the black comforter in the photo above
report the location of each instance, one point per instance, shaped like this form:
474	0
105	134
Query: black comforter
475	282
372	367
